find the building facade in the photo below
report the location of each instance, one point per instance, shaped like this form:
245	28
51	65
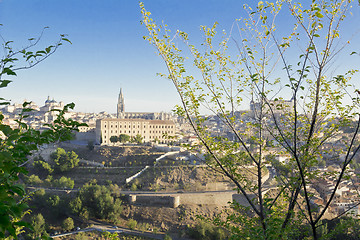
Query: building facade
161	131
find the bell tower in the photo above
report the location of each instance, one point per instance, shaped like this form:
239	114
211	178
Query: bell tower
120	105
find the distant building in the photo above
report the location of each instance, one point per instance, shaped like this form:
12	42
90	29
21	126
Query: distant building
150	130
138	115
51	104
276	107
120	105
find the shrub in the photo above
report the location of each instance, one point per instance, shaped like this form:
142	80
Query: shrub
132	224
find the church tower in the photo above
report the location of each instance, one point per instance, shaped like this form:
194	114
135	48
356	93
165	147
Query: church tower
120	105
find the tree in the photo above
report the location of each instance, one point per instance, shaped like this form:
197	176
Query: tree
68	224
63	160
38	223
97	202
64	182
17	144
76	205
270	66
137	139
123	138
53	201
42	167
114	139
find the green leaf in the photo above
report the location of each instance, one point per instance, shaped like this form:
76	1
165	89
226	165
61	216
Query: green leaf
4	83
67	40
318	14
8	71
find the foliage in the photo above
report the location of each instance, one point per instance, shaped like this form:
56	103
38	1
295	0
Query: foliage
34	180
137	139
53	201
42	167
270	66
17	144
97	201
114	139
76	205
38	223
123	138
63	160
64	182
132	224
68	224
207	231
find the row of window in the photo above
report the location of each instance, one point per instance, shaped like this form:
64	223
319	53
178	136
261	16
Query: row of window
115	131
150	137
144	126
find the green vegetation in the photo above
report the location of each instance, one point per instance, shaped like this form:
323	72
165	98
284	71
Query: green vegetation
64	161
64	182
38	224
114	139
267	65
96	201
137	139
132	224
17	144
123	138
42	167
68	224
207	231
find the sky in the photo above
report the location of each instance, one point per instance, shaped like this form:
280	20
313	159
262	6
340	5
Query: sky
107	51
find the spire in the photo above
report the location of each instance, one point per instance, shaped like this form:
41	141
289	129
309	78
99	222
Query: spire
120	104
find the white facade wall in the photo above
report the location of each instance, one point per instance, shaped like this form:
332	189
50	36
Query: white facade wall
150	130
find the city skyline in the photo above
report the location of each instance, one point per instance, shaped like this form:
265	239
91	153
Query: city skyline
107	51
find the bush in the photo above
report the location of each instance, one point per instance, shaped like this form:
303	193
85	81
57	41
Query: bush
34	180
38	223
64	182
42	167
63	160
98	202
132	223
68	224
207	231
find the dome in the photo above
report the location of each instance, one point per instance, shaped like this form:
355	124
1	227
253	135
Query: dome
48	100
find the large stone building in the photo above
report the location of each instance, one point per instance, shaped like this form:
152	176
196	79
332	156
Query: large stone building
150	130
151	126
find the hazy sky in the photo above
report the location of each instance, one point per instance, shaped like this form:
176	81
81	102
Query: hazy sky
107	50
